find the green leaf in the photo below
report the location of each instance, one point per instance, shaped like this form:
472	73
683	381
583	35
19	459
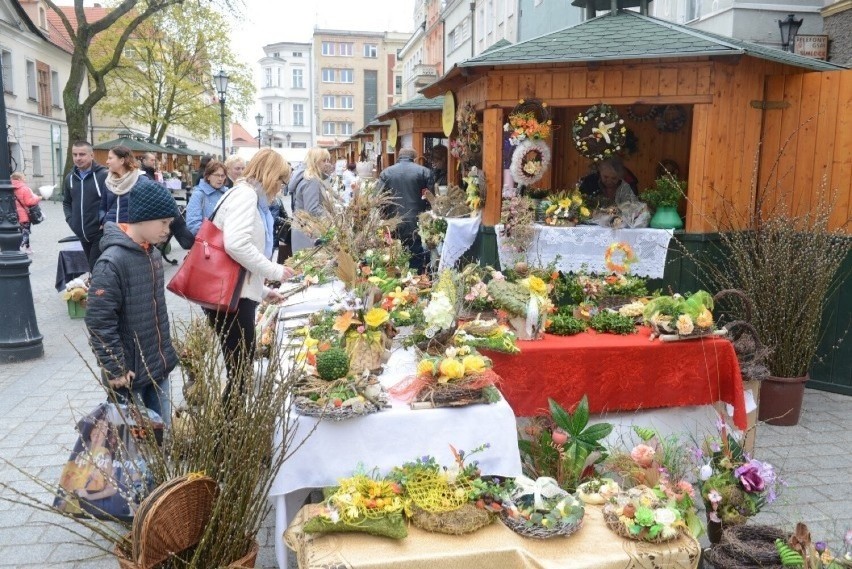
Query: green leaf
645	433
693	523
580	418
560	416
654	531
596	432
525	446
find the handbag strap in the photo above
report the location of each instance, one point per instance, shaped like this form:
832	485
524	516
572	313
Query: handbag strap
219	204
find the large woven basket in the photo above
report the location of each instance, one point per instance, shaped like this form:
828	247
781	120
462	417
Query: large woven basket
170	520
614	523
247	561
747	546
466	519
535	531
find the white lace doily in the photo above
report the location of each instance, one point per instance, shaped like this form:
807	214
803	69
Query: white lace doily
461	233
587	245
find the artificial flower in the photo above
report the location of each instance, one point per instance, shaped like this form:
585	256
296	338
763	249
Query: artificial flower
474	364
451	368
665	516
685	325
535	285
750	478
643	455
705	472
644	516
425	367
705	319
584	211
344	321
375	317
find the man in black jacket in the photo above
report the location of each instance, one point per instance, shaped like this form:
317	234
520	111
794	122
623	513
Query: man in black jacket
407	181
81	198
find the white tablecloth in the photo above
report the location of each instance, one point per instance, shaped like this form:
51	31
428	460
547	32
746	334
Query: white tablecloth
586	245
461	233
385	439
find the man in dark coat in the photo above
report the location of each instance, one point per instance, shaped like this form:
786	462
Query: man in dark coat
81	198
126	312
407	181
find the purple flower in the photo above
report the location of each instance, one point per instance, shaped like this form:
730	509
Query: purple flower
749	477
820	546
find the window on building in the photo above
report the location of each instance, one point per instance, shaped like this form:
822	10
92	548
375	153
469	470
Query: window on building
344	49
32	92
328	127
297	54
267	77
298	114
298	145
129	53
398	85
327	75
490	17
42	18
347	102
347	76
371	94
280	77
693	10
37	161
298	79
344	128
55	89
327	48
6	64
452	39
44	99
280	113
328	102
268	113
371	50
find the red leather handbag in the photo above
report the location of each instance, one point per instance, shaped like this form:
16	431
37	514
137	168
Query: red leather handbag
209	276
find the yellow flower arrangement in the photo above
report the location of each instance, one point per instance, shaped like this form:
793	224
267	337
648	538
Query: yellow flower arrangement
474	364
535	285
566	206
375	317
451	368
685	326
426	367
705	319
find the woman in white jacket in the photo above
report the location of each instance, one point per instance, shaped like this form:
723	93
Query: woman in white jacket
246	224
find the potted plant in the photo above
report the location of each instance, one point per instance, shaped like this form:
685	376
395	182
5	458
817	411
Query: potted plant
664	198
538	196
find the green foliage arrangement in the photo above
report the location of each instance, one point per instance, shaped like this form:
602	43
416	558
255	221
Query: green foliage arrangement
667	192
563	323
612	322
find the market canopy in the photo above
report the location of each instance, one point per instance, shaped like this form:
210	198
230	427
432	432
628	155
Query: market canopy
417	103
134	143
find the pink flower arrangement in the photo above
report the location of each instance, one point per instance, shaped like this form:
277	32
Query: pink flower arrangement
643	455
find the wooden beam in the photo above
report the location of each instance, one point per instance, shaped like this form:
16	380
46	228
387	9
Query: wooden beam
588	101
492	164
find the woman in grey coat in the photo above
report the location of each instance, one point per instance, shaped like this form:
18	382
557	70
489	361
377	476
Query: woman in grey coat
306	188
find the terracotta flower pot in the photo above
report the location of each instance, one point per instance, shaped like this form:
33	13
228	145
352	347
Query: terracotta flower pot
781	400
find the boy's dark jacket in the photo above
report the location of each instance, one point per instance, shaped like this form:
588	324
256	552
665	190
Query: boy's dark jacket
81	201
126	311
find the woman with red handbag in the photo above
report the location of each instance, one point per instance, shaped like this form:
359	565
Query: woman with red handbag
247	228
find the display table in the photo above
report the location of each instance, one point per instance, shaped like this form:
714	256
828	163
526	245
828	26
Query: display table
72	263
461	233
385	439
621	373
584	246
593	547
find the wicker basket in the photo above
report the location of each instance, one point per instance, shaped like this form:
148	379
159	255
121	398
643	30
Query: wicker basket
305	406
534	531
748	546
171	519
614	302
614	524
466	519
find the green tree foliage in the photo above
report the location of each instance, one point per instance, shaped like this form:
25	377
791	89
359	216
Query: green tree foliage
164	77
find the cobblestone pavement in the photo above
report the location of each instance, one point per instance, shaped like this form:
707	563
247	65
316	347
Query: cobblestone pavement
40	399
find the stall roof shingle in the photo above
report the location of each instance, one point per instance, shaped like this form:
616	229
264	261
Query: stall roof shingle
629	35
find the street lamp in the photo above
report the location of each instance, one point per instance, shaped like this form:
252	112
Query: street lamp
288	140
270	132
220	81
258	118
20	338
789	28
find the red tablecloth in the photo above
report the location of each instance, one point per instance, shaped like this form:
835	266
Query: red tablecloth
621	373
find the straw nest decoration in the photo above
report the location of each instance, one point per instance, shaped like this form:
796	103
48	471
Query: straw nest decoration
751	352
436	345
370	398
453	394
466	519
748	546
614	524
614	301
535	531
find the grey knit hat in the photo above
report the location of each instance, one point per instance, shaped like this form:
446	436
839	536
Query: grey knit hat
148	201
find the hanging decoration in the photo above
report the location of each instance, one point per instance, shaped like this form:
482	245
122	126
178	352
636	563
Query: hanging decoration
467	146
529	120
530	161
636	116
599	132
671	119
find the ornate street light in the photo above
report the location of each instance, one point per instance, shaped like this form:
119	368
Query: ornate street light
258	118
20	338
270	132
220	82
288	140
789	28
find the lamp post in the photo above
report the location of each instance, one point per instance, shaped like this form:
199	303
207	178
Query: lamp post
258	118
789	28
288	140
20	338
220	81
270	132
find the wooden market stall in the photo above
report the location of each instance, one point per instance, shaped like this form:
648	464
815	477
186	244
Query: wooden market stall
417	124
725	95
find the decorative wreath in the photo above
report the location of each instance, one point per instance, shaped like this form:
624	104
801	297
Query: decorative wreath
467	146
599	132
529	120
671	118
530	161
628	259
652	113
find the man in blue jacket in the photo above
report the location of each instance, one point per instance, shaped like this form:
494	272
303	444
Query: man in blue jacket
81	199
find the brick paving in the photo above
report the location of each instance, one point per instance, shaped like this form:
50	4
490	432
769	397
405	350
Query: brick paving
40	399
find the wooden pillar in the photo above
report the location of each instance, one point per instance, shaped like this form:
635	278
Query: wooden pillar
452	169
492	164
417	145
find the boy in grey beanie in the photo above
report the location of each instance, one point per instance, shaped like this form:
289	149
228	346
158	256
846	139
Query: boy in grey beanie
126	311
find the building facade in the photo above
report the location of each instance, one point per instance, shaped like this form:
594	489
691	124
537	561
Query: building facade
354	80
286	101
35	66
540	17
837	24
495	20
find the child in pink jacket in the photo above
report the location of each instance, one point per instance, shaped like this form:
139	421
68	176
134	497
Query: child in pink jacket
24	198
